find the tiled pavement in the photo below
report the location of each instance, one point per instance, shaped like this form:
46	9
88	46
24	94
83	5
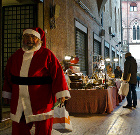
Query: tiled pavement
120	122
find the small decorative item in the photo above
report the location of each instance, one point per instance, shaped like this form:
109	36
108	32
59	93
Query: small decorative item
74	60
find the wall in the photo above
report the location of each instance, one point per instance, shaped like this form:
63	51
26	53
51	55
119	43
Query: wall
61	40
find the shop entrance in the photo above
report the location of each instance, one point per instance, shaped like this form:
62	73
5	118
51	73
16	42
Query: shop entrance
15	20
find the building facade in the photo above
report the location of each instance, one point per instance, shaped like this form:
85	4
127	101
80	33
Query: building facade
85	28
131	25
82	29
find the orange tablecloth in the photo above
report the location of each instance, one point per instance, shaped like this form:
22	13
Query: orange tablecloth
92	101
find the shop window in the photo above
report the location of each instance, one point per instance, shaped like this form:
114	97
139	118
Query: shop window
113	56
81	50
97	51
106	52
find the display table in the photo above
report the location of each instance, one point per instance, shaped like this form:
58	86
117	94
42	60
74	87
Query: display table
92	101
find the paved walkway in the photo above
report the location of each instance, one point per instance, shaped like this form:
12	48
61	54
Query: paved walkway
120	122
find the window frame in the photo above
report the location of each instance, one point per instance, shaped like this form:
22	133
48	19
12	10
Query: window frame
136	31
133	7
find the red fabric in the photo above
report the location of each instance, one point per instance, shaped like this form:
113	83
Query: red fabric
92	101
113	95
21	128
41	127
42	97
44	127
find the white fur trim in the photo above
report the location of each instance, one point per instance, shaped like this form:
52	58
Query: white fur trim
24	103
6	94
15	118
31	31
19	111
23	89
25	99
27	57
39	117
31	118
64	93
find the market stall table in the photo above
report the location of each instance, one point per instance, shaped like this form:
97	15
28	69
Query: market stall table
92	101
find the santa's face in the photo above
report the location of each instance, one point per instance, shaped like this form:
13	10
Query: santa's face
30	41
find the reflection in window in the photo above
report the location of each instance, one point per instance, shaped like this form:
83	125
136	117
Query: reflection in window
133	6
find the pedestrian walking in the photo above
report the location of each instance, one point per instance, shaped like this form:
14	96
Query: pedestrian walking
130	66
34	81
138	79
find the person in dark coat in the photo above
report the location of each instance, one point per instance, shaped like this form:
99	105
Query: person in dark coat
130	66
118	72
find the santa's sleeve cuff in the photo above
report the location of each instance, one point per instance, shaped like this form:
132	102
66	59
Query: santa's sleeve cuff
6	94
64	93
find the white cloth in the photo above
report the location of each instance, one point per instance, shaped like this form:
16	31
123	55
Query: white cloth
124	89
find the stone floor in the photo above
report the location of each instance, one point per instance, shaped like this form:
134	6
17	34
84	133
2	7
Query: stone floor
120	122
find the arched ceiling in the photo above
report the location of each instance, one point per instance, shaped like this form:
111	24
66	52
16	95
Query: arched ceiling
100	3
18	2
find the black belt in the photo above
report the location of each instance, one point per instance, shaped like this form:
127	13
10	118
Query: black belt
31	80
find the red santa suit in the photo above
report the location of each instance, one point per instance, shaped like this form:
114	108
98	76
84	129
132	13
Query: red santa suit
33	79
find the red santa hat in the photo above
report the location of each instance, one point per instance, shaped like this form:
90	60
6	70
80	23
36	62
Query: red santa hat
38	32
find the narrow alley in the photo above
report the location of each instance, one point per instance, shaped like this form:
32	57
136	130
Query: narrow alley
120	122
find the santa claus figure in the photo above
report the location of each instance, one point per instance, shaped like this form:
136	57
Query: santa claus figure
34	80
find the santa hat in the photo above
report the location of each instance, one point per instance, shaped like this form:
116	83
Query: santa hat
38	32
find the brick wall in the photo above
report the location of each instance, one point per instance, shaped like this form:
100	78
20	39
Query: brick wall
61	40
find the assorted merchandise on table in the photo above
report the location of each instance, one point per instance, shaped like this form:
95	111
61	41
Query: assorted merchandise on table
100	79
95	94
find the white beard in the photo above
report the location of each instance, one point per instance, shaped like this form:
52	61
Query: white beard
31	48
